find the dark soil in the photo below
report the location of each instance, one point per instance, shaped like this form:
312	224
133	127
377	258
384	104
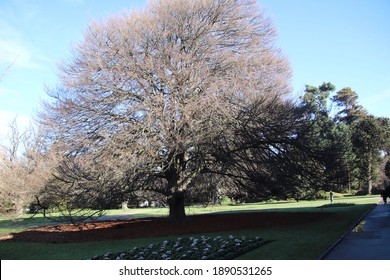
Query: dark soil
151	227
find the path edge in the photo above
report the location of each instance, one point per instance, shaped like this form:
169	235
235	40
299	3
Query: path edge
327	251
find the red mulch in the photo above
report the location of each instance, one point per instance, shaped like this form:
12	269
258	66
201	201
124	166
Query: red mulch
150	227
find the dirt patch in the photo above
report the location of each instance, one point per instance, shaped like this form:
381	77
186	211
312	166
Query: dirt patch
152	227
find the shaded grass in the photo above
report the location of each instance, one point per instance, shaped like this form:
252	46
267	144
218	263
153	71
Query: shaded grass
74	251
292	242
337	205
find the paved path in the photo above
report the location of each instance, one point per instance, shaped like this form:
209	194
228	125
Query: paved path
370	240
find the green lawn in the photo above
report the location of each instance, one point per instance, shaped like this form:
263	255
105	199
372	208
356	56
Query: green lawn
293	242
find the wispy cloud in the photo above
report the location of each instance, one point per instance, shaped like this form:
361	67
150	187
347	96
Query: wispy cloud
382	97
17	53
75	2
6	92
14	46
378	104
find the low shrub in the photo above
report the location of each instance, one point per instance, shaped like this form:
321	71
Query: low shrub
361	192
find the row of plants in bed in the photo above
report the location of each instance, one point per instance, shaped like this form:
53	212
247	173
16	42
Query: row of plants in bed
190	248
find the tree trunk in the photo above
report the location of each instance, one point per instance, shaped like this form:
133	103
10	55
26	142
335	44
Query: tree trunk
349	179
176	207
370	173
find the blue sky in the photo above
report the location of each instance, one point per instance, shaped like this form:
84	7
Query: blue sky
346	42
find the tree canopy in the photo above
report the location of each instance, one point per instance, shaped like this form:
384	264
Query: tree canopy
148	94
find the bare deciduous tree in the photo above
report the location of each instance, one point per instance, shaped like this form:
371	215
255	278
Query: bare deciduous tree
26	165
148	94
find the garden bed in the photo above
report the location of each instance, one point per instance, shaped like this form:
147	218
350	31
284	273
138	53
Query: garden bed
190	248
152	227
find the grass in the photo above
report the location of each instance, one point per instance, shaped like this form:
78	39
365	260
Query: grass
293	242
306	243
